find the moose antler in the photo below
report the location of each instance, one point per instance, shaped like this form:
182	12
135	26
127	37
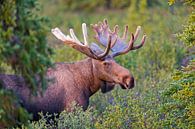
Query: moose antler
120	46
72	41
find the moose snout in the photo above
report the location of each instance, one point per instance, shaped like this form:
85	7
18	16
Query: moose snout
128	82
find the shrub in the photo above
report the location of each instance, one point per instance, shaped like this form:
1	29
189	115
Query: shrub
24	51
23	40
179	106
78	119
12	114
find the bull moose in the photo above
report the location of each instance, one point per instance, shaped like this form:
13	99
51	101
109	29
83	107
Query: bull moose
80	80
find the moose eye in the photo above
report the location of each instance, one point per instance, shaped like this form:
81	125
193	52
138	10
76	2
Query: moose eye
106	63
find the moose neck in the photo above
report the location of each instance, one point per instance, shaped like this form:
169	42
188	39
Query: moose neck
88	80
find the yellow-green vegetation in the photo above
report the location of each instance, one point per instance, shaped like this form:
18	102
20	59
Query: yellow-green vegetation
164	93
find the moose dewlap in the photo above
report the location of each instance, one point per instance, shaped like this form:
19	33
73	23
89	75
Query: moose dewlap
76	82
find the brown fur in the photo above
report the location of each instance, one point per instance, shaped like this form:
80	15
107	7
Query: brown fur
72	82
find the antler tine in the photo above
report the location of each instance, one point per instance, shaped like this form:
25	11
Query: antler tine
101	56
74	37
60	35
129	47
141	44
106	22
116	29
118	45
131	42
84	29
125	32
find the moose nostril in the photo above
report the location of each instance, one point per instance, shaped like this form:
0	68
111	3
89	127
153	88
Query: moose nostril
129	81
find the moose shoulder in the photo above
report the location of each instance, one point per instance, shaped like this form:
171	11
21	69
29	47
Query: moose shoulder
76	82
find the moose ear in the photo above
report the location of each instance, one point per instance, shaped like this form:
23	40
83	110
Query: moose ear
106	87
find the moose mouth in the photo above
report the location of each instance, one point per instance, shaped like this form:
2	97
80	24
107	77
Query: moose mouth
122	85
126	86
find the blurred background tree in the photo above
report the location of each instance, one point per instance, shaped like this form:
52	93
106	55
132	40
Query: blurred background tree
23	43
24	51
182	88
88	5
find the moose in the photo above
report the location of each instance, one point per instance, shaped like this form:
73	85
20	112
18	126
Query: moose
76	82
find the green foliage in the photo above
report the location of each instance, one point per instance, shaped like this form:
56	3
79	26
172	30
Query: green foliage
113	117
63	51
180	105
161	53
190	2
137	9
78	119
152	66
157	101
23	40
179	97
23	50
11	112
188	34
88	5
82	4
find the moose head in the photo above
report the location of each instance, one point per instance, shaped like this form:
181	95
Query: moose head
105	68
